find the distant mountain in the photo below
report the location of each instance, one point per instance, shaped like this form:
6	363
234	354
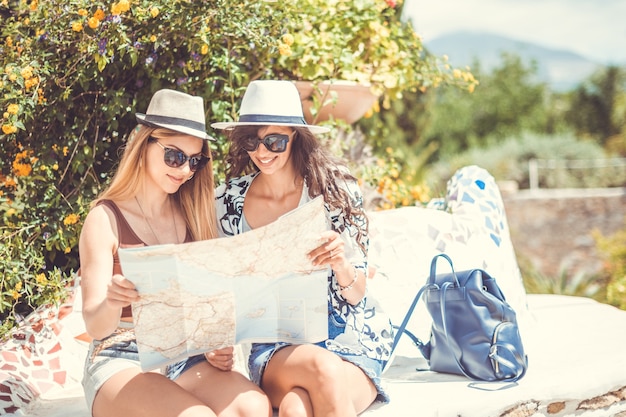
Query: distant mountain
562	70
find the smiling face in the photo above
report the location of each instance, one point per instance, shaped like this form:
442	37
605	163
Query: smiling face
170	178
267	161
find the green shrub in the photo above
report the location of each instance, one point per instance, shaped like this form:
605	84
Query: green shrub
613	250
72	75
509	160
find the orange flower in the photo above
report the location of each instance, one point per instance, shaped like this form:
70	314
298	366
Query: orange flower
93	22
77	26
10	182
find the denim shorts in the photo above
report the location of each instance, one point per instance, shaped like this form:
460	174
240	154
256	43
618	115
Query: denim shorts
175	370
261	353
102	364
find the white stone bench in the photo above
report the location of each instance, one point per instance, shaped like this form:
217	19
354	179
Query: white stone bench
577	358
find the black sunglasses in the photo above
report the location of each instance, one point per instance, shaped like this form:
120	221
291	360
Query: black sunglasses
175	158
274	143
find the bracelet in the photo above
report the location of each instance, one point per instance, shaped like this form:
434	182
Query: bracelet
349	287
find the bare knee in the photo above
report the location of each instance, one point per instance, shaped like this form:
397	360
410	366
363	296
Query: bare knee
249	404
327	370
296	403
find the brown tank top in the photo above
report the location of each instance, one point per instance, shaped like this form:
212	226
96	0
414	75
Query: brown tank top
127	239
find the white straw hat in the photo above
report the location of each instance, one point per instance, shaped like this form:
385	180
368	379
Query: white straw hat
176	111
271	102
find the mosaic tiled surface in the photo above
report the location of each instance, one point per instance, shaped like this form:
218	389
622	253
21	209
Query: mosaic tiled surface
34	358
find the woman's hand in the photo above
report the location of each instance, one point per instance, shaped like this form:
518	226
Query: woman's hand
121	292
222	359
331	252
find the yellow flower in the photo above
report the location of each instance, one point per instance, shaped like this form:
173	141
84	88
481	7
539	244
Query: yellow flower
67	250
6	114
8	129
93	22
99	14
120	7
154	12
77	26
153	38
71	219
66	150
18	286
83	12
55	166
284	49
205	49
27	72
12	76
15	294
41	278
288	39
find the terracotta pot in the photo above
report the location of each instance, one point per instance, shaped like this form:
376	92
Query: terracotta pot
353	100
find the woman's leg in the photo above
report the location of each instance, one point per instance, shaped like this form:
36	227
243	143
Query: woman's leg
202	391
227	393
133	393
334	387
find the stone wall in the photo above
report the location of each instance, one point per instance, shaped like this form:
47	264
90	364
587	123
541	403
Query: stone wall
551	229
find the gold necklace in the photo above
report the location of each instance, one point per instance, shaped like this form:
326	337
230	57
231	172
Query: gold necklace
150	226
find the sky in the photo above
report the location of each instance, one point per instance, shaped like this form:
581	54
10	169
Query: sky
595	29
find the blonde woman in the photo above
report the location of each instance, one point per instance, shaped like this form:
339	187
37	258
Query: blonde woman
160	194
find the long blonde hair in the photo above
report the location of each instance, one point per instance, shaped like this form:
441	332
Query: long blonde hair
196	197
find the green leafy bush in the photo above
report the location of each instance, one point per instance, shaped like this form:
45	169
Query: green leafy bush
613	250
72	75
509	160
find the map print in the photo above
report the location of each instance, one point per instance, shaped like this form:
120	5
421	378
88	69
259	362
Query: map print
258	286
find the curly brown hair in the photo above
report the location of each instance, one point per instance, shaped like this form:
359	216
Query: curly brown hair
322	172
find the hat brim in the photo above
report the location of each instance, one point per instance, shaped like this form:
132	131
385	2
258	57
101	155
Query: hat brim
141	119
231	125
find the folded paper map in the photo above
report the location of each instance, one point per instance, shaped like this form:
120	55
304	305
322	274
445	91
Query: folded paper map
258	286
